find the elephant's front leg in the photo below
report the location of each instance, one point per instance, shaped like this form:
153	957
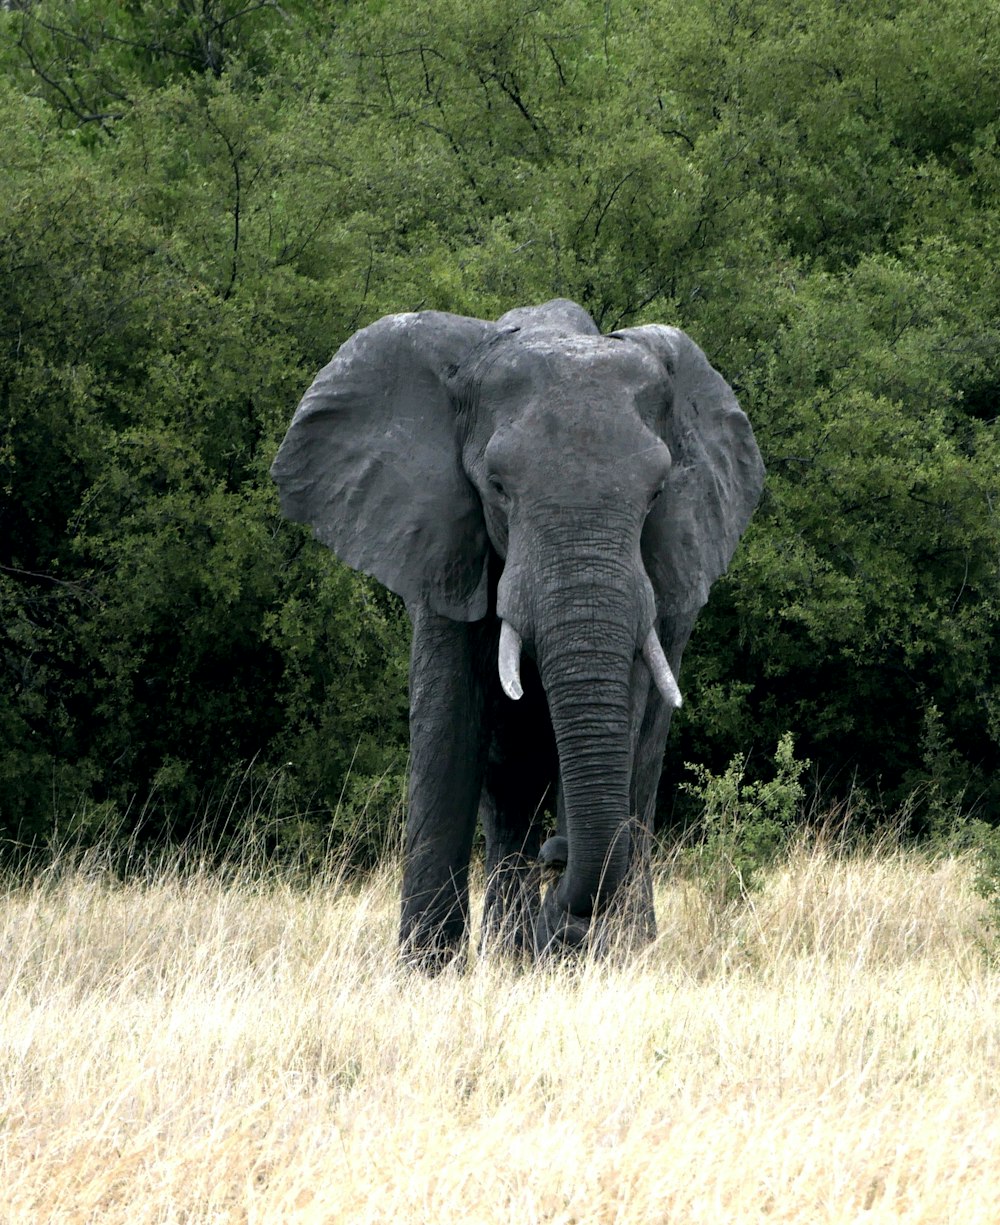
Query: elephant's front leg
447	759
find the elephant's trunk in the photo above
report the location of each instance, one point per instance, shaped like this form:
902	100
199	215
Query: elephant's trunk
584	612
585	666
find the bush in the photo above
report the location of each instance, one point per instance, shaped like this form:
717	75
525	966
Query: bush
745	824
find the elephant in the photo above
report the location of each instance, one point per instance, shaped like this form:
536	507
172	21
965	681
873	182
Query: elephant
552	504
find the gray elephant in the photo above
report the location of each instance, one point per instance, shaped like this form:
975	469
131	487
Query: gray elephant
553	505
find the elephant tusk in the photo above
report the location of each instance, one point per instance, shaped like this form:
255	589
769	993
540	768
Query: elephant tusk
656	661
510	661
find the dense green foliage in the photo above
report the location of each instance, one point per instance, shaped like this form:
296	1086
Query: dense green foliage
199	202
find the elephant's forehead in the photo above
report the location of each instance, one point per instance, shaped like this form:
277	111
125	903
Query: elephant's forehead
588	401
581	370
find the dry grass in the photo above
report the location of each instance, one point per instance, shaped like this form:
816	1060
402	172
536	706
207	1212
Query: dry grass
193	1051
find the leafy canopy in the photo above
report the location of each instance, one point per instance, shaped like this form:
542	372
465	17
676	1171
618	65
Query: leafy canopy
199	202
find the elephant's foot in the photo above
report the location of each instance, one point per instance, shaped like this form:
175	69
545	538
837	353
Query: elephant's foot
432	946
510	908
558	932
507	934
625	923
435	959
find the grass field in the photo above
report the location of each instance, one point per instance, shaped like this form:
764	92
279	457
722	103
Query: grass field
188	1049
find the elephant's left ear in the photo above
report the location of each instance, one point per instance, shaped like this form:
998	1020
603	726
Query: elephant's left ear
372	461
714	483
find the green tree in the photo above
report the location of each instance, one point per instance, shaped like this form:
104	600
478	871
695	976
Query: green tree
199	202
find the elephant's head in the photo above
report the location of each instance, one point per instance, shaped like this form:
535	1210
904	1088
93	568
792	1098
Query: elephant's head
611	476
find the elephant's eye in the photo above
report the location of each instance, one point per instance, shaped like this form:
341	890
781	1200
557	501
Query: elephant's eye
654	498
496	484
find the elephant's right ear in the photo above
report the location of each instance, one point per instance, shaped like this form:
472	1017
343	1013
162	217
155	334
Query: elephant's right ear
372	461
714	484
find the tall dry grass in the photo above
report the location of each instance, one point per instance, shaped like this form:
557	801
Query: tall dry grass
192	1050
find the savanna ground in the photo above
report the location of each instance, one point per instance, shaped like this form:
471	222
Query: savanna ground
188	1048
